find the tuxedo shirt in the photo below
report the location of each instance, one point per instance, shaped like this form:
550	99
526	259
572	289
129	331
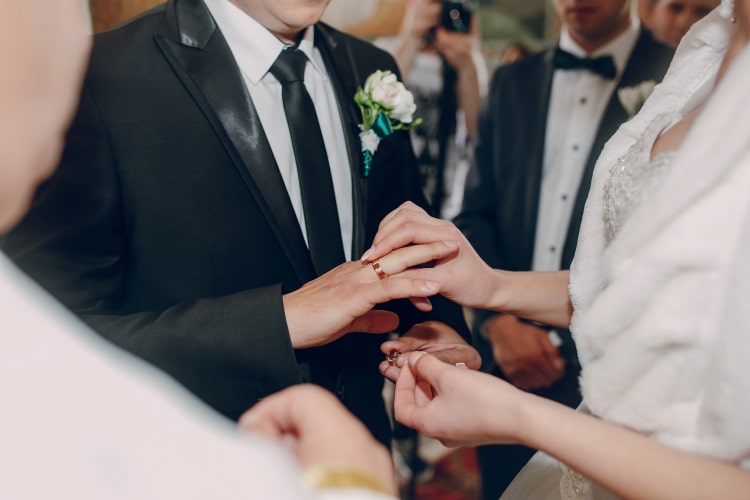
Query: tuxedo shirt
256	49
577	102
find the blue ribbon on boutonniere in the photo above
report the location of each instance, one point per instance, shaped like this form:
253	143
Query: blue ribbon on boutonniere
386	106
382	128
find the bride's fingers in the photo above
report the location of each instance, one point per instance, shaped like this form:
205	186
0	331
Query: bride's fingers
435	274
406	207
405	214
407	217
404	258
375	321
404	233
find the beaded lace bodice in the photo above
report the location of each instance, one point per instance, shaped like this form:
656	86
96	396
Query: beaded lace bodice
635	176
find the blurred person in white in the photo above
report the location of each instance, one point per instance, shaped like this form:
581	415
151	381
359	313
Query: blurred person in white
657	301
82	419
669	20
445	70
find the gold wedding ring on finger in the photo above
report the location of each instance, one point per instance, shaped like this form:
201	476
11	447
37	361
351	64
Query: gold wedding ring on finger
378	270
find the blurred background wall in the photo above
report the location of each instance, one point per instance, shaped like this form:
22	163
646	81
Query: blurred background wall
109	13
503	22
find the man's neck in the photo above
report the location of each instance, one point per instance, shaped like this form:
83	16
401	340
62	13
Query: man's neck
593	43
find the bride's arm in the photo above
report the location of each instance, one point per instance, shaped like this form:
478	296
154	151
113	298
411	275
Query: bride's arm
626	462
466	408
533	295
465	278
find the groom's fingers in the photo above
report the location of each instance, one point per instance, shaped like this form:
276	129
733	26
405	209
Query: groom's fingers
375	321
396	287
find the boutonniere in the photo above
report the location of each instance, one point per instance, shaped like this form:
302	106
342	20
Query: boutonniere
632	98
386	106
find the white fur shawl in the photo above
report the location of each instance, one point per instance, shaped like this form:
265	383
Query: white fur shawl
661	314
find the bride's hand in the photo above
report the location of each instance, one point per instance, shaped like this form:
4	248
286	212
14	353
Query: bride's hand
462	275
434	337
458	406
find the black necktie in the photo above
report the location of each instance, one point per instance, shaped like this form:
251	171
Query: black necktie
318	199
602	65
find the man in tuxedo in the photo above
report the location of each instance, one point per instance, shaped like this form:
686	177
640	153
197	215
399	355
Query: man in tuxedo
178	222
541	129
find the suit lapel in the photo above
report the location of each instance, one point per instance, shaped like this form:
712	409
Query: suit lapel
343	73
203	61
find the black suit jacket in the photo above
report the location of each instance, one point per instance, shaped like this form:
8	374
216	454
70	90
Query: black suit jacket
501	200
168	228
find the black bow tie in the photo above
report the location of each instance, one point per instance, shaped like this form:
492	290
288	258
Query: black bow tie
602	65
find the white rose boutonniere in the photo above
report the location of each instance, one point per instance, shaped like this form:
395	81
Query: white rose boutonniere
632	98
386	105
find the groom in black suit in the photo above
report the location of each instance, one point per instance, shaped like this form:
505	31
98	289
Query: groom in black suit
175	225
542	126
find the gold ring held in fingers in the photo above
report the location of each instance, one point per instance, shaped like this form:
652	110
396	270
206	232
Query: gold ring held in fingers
378	270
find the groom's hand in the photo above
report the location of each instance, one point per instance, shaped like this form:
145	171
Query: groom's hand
524	353
434	337
342	300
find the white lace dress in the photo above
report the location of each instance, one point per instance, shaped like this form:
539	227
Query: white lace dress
661	280
635	176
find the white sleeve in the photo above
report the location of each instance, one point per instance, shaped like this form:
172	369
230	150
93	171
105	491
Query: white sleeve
81	419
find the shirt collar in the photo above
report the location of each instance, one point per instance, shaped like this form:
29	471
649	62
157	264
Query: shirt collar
619	48
254	47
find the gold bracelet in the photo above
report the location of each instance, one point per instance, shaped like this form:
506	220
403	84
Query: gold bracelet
344	477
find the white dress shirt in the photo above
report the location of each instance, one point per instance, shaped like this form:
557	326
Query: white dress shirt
577	102
255	49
